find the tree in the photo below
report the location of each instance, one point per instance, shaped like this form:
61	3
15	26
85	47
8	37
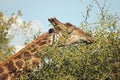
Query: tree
97	61
5	48
6	23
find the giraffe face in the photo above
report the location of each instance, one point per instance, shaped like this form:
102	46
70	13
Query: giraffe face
55	35
69	33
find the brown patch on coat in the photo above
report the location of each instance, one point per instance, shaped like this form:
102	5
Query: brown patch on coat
1	70
4	77
19	64
11	67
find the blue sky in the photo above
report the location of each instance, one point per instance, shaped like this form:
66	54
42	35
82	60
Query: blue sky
64	10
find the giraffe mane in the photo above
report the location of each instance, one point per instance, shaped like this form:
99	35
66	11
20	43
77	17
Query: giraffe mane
23	49
69	25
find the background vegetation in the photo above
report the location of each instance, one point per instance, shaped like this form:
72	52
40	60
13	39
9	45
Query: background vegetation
97	61
5	24
10	27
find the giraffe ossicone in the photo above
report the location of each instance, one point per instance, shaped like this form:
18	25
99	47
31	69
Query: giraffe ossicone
30	56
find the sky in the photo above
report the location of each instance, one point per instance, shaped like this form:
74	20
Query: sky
63	10
41	10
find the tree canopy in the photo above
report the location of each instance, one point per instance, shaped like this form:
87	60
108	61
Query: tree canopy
97	61
5	48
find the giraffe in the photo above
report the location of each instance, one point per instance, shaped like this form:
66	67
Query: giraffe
71	32
25	59
28	58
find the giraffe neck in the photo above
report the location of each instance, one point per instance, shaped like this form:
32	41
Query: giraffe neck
25	60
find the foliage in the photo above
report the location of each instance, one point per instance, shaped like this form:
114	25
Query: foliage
5	24
97	61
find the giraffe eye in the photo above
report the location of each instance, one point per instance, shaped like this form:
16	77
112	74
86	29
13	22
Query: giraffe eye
51	30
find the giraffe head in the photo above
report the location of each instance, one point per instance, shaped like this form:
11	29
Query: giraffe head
70	33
